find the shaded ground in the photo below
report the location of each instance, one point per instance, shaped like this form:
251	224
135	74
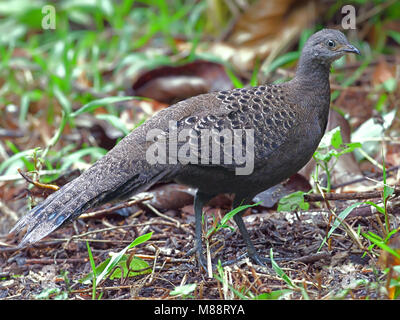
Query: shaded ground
339	272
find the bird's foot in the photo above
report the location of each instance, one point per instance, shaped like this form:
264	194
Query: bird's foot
202	259
257	259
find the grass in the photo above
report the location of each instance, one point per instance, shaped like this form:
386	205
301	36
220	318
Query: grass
90	39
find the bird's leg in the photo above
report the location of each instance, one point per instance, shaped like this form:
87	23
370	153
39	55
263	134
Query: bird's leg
200	200
245	234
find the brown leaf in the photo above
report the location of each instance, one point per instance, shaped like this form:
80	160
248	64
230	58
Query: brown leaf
171	196
170	84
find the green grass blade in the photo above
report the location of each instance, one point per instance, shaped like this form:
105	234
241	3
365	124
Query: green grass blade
92	105
338	221
93	266
381	244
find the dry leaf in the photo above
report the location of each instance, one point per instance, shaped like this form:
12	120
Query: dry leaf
264	30
170	84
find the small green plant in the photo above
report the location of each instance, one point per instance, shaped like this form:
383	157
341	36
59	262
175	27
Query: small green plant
381	242
222	278
93	266
120	265
338	221
387	192
331	147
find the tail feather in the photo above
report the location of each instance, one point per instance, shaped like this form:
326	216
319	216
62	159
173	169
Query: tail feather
81	194
51	214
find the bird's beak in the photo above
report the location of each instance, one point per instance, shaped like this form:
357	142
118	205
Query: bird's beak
350	48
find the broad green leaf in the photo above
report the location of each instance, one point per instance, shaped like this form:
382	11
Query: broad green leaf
292	202
336	140
326	140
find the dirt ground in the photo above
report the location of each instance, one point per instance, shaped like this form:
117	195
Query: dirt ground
338	271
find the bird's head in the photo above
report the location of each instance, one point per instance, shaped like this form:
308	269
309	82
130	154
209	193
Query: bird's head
328	45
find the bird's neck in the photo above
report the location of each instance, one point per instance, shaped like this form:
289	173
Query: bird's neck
313	74
312	80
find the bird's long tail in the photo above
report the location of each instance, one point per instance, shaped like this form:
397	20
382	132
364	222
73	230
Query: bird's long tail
109	179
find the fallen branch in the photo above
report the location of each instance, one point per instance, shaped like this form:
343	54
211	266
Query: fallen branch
347	196
312	257
111	209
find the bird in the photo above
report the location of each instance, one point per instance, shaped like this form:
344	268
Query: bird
277	126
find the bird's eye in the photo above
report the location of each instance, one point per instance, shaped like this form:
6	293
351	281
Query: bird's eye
331	43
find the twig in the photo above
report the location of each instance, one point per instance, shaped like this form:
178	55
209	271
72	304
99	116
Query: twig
120	206
13	177
347	196
178	224
37	183
312	257
52	261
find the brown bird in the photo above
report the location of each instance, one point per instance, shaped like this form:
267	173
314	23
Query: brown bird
241	141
